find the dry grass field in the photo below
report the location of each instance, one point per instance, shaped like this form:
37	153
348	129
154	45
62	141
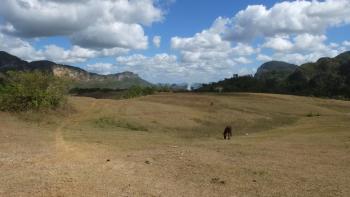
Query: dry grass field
171	145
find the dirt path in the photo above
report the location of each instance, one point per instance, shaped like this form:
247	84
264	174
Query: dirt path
61	145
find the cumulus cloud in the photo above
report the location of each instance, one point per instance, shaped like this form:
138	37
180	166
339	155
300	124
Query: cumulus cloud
130	36
209	39
18	47
158	68
346	43
168	68
75	54
156	41
208	51
279	43
101	68
158	63
243	50
263	58
164	68
90	23
301	48
288	17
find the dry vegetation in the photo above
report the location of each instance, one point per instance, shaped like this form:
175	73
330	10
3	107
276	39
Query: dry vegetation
171	145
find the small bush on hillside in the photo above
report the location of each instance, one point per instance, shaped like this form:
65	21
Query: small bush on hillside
313	114
24	91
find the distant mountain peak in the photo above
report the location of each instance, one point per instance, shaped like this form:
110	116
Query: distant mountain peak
275	69
346	53
277	64
10	61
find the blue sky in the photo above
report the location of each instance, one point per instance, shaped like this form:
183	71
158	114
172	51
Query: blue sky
197	41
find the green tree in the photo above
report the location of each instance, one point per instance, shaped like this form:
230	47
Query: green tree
328	84
296	83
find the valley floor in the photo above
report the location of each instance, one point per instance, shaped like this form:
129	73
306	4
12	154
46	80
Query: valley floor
171	145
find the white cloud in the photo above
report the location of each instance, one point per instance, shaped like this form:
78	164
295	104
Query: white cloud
159	62
302	43
298	57
168	68
333	45
157	41
346	43
17	47
309	42
263	58
129	36
207	52
134	11
91	23
288	17
242	60
300	48
209	39
159	68
75	54
243	50
279	43
101	68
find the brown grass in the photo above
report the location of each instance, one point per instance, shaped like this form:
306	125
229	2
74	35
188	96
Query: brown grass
171	145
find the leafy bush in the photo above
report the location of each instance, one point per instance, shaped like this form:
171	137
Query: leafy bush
23	91
310	114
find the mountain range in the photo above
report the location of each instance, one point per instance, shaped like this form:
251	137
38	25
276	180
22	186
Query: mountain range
81	78
328	77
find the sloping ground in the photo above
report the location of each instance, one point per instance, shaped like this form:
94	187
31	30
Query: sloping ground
171	145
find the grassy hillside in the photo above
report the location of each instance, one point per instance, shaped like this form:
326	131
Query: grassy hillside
171	145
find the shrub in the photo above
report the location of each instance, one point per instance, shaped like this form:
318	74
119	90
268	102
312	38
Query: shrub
137	91
310	114
24	91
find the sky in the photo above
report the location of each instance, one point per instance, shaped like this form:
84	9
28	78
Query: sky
174	41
